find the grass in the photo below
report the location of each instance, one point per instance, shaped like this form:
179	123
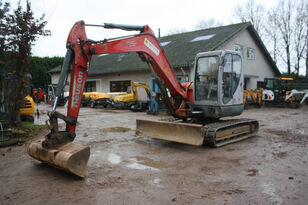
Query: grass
31	126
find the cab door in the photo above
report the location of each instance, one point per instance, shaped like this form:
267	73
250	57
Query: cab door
232	79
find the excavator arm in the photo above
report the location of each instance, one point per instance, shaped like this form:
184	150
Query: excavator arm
144	43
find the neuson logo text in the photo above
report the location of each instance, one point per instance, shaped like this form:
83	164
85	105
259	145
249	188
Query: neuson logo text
76	96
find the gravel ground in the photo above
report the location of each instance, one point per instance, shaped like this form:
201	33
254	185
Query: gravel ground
270	168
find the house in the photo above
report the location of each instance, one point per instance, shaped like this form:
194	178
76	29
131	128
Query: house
114	72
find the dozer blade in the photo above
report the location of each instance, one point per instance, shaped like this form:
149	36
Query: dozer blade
214	134
70	157
186	133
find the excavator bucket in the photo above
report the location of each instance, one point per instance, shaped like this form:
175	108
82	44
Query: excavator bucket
69	157
186	133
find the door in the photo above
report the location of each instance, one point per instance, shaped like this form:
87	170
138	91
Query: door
231	77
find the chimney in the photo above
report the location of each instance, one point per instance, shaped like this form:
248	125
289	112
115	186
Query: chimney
159	33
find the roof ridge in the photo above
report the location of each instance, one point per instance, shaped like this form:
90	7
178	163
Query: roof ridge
245	25
224	26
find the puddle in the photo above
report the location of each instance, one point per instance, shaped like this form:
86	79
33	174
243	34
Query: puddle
114	158
269	189
147	163
135	165
115	129
151	163
156	182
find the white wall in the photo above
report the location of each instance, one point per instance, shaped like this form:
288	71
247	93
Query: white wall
54	78
258	66
138	76
103	81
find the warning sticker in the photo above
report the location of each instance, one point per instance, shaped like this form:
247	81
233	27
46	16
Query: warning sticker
151	46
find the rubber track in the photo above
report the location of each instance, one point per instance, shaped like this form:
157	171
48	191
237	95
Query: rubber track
211	129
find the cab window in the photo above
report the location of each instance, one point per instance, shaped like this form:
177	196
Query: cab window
206	78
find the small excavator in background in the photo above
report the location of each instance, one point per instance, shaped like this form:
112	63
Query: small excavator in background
131	100
95	99
282	91
216	91
255	97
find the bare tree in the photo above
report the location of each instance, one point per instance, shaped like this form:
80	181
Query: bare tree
285	11
251	12
273	35
207	23
300	35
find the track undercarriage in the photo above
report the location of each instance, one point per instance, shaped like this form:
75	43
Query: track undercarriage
214	134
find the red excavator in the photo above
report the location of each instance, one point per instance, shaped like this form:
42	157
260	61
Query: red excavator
216	92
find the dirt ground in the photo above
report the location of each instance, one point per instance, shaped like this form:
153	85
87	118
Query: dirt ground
270	168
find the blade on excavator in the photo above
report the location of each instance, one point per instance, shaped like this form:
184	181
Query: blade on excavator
186	133
70	157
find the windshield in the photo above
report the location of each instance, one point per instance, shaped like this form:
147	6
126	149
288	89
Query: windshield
206	78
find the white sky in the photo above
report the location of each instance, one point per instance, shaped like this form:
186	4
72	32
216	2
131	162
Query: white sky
163	14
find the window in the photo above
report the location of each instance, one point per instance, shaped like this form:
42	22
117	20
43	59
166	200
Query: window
182	78
231	75
162	44
206	78
251	53
203	38
239	49
119	86
90	86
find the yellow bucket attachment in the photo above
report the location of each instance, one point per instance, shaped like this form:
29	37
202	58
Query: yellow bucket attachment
70	157
186	133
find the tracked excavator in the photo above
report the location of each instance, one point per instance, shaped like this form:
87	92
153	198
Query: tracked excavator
216	92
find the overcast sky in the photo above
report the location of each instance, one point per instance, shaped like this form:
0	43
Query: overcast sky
164	14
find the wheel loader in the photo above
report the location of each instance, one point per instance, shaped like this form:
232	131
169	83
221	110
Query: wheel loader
216	91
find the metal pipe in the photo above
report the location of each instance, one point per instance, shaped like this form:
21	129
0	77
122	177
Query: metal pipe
63	76
55	103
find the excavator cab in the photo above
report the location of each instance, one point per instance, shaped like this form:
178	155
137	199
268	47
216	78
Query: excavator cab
218	84
217	92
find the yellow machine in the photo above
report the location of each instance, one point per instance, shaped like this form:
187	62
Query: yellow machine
131	100
27	109
255	96
95	98
95	95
